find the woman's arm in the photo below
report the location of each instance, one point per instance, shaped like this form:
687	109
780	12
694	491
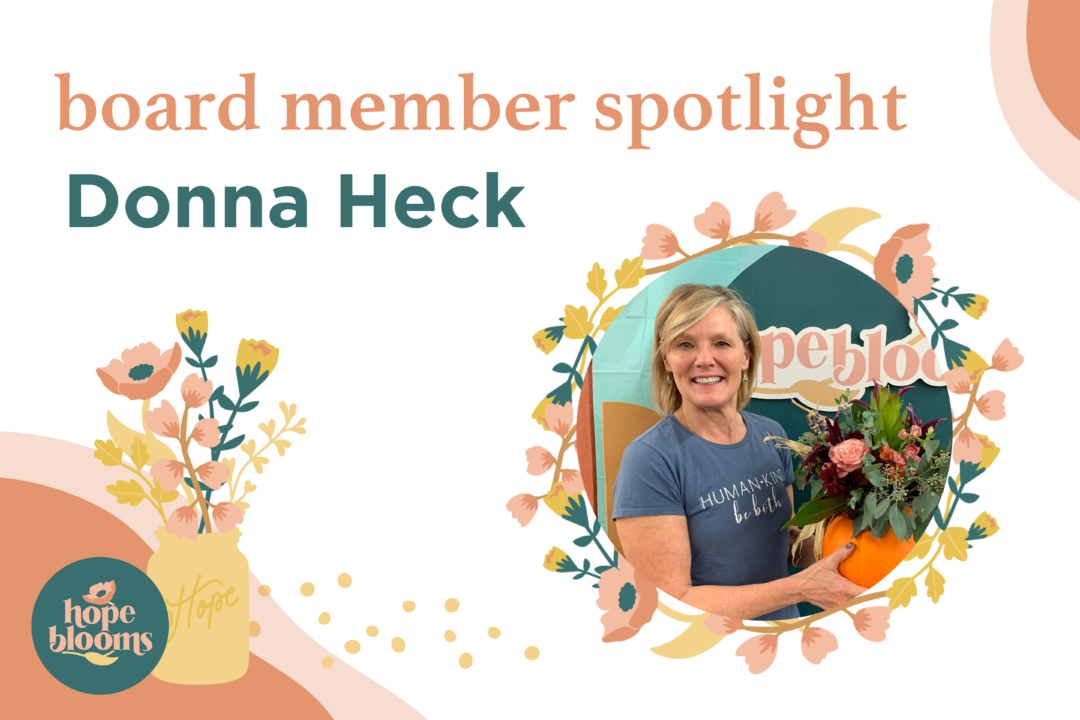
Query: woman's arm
659	548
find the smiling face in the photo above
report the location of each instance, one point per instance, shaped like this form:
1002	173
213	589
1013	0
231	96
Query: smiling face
707	362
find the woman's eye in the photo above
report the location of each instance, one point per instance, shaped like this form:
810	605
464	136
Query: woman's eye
722	343
684	345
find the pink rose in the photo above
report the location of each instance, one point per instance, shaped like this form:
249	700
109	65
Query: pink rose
848	455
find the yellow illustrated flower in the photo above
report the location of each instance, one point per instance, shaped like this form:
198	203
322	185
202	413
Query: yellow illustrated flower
559	500
545	341
553	558
984	526
256	352
192	321
977	306
989	451
974	365
540	413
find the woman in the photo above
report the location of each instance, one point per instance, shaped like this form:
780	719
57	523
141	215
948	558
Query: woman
701	498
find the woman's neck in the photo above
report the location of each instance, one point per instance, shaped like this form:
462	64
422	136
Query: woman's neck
724	426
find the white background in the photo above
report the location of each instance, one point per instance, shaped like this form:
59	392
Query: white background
409	351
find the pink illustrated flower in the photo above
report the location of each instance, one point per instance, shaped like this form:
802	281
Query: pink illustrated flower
628	602
848	455
184	522
872	623
715	222
722	626
169	473
571	482
227	516
1007	358
958	381
109	588
903	267
213	474
759	651
540	460
659	243
992	405
522	508
817	643
206	433
196	391
772	213
967	448
810	240
560	418
141	372
164	421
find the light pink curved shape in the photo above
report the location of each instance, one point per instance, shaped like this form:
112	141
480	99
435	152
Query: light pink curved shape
1050	146
343	691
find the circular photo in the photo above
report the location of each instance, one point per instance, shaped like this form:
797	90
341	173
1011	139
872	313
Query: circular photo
764	432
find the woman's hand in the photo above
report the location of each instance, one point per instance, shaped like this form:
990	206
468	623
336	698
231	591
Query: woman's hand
824	586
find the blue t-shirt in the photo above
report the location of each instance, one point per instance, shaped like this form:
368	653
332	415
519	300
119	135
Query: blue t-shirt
734	498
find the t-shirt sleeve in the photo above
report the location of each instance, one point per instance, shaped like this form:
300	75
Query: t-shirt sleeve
646	485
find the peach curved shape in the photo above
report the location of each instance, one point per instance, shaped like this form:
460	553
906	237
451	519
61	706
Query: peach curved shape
1042	137
282	645
1054	55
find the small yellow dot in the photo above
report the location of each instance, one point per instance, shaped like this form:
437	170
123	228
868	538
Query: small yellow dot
372	631
532	652
452	605
398	644
328	662
324	619
409	605
352	646
264	590
254	629
465	661
344	580
450	636
307	589
494	632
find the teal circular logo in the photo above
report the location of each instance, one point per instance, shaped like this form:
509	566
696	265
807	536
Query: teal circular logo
100	625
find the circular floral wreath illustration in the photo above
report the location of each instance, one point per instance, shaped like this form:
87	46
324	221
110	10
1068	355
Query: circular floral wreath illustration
904	266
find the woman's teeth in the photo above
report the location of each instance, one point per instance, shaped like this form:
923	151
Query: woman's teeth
707	380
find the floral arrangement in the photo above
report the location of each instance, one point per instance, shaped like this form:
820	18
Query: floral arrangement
142	373
877	462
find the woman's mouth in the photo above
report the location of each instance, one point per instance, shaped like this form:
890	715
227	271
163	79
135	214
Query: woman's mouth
711	380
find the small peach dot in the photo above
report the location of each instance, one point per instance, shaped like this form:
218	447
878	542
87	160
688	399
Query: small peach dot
372	631
532	652
307	589
452	605
398	644
465	660
344	580
352	646
494	632
328	662
324	619
450	636
409	605
254	629
264	590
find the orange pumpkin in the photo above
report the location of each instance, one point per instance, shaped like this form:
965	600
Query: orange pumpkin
873	558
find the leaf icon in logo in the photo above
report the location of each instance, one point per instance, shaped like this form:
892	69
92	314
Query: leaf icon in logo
96	658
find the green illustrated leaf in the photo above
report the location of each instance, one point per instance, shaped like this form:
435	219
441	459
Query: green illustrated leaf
128	492
210	362
224	401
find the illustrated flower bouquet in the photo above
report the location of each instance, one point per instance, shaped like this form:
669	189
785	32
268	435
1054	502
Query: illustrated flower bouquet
198	566
876	474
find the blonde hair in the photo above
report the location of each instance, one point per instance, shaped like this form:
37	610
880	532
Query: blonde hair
686	306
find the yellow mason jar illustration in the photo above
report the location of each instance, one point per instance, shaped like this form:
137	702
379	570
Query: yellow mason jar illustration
205	586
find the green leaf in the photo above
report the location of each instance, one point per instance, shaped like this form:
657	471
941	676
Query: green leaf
952	486
225	402
948	325
210	362
881	526
583	540
924	504
898	520
192	362
968	497
248	407
870	506
585	565
816	510
231	443
861	523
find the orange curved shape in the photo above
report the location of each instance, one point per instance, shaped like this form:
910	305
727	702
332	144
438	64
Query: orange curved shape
78	530
1054	54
